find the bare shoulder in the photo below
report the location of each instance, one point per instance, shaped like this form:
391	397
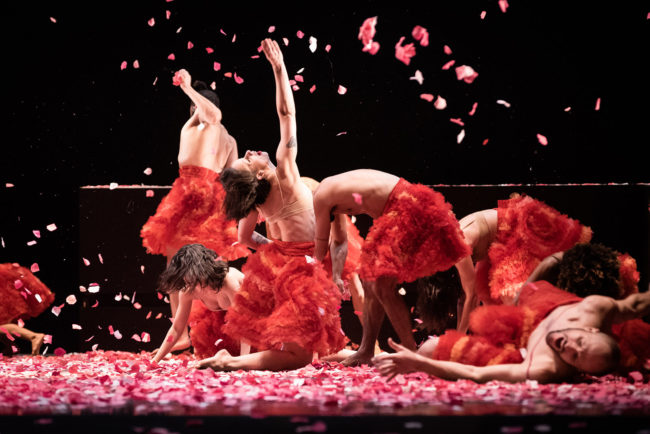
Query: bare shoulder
598	303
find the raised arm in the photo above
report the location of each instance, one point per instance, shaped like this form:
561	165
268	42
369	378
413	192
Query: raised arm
632	307
546	269
322	212
288	147
207	112
177	327
246	232
405	360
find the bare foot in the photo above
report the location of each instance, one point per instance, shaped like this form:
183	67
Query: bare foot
218	362
37	342
357	359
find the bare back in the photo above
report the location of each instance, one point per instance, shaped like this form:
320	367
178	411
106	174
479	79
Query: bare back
299	226
480	230
206	145
362	191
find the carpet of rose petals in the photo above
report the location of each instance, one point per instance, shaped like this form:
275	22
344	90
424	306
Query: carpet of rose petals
121	382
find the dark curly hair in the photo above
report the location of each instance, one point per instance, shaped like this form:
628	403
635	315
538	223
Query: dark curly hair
438	298
588	269
192	265
202	88
243	192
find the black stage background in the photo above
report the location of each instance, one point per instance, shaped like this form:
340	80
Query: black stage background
74	118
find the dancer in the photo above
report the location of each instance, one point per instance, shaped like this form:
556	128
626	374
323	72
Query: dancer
507	244
414	234
206	287
192	211
22	295
287	306
562	334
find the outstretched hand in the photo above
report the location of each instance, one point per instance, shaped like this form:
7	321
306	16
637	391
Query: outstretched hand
182	78
400	362
272	52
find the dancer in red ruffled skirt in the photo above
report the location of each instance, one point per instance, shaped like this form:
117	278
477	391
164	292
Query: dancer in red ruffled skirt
287	306
22	296
192	211
414	234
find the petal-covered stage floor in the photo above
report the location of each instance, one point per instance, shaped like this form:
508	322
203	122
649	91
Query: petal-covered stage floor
128	384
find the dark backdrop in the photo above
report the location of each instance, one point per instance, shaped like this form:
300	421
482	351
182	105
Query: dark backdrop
73	117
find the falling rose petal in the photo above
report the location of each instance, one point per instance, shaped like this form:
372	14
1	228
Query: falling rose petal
485	142
56	310
147	171
213	85
312	89
401	291
59	352
51	227
151	22
190	45
503	5
142	269
299	78
367	31
93	288
542	140
20	322
460	136
446	49
47	339
171	57
53	19
234	38
466	73
37	233
76	327
597	105
312	44
372	48
34	268
145	337
101	259
136	337
404	53
503	102
86	262
179	29
112	186
567	109
136	64
210	50
31	243
286	42
118	297
149	193
159	316
295	87
82	288
357	198
217	342
137	305
238	79
427	97
421	34
417	77
216	66
342	133
2	242
440	103
271	29
328	47
18	283
168	14
227	74
342	90
123	65
71	299
222	32
300	34
94	347
117	334
448	65
457	121
473	110
110	329
255	56
483	13
155	80
96	303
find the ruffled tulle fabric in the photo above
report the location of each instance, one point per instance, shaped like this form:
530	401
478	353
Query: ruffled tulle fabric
22	295
499	331
192	213
628	275
206	332
416	236
286	297
355	243
528	231
633	337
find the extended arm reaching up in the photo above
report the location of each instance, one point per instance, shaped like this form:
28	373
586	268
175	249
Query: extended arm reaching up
207	112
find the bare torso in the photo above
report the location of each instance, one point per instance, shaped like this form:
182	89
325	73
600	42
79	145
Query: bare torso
221	299
206	145
363	191
297	227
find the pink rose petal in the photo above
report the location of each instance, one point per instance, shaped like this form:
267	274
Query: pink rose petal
168	14
457	121
53	19
448	65
286	41
446	49
542	140
404	53
597	105
357	198
466	73
342	90
86	262
427	96
483	13
312	89
190	45
123	65
503	5
34	268
149	193
440	103
71	299
136	64
421	34
47	339
367	31
300	34
271	29
473	110
171	56
417	77
328	47
151	22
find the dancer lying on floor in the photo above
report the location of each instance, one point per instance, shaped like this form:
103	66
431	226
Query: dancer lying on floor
563	335
196	276
287	306
22	295
414	234
192	211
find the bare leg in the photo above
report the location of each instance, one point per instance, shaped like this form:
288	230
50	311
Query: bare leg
338	357
290	357
35	338
396	310
373	316
183	342
357	293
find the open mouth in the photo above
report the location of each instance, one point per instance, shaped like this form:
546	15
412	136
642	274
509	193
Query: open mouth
559	343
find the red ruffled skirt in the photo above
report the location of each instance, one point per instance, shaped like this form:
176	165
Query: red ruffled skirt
206	332
528	231
22	295
286	297
192	213
498	332
417	235
355	243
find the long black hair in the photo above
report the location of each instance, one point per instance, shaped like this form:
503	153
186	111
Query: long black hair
438	298
243	192
588	269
